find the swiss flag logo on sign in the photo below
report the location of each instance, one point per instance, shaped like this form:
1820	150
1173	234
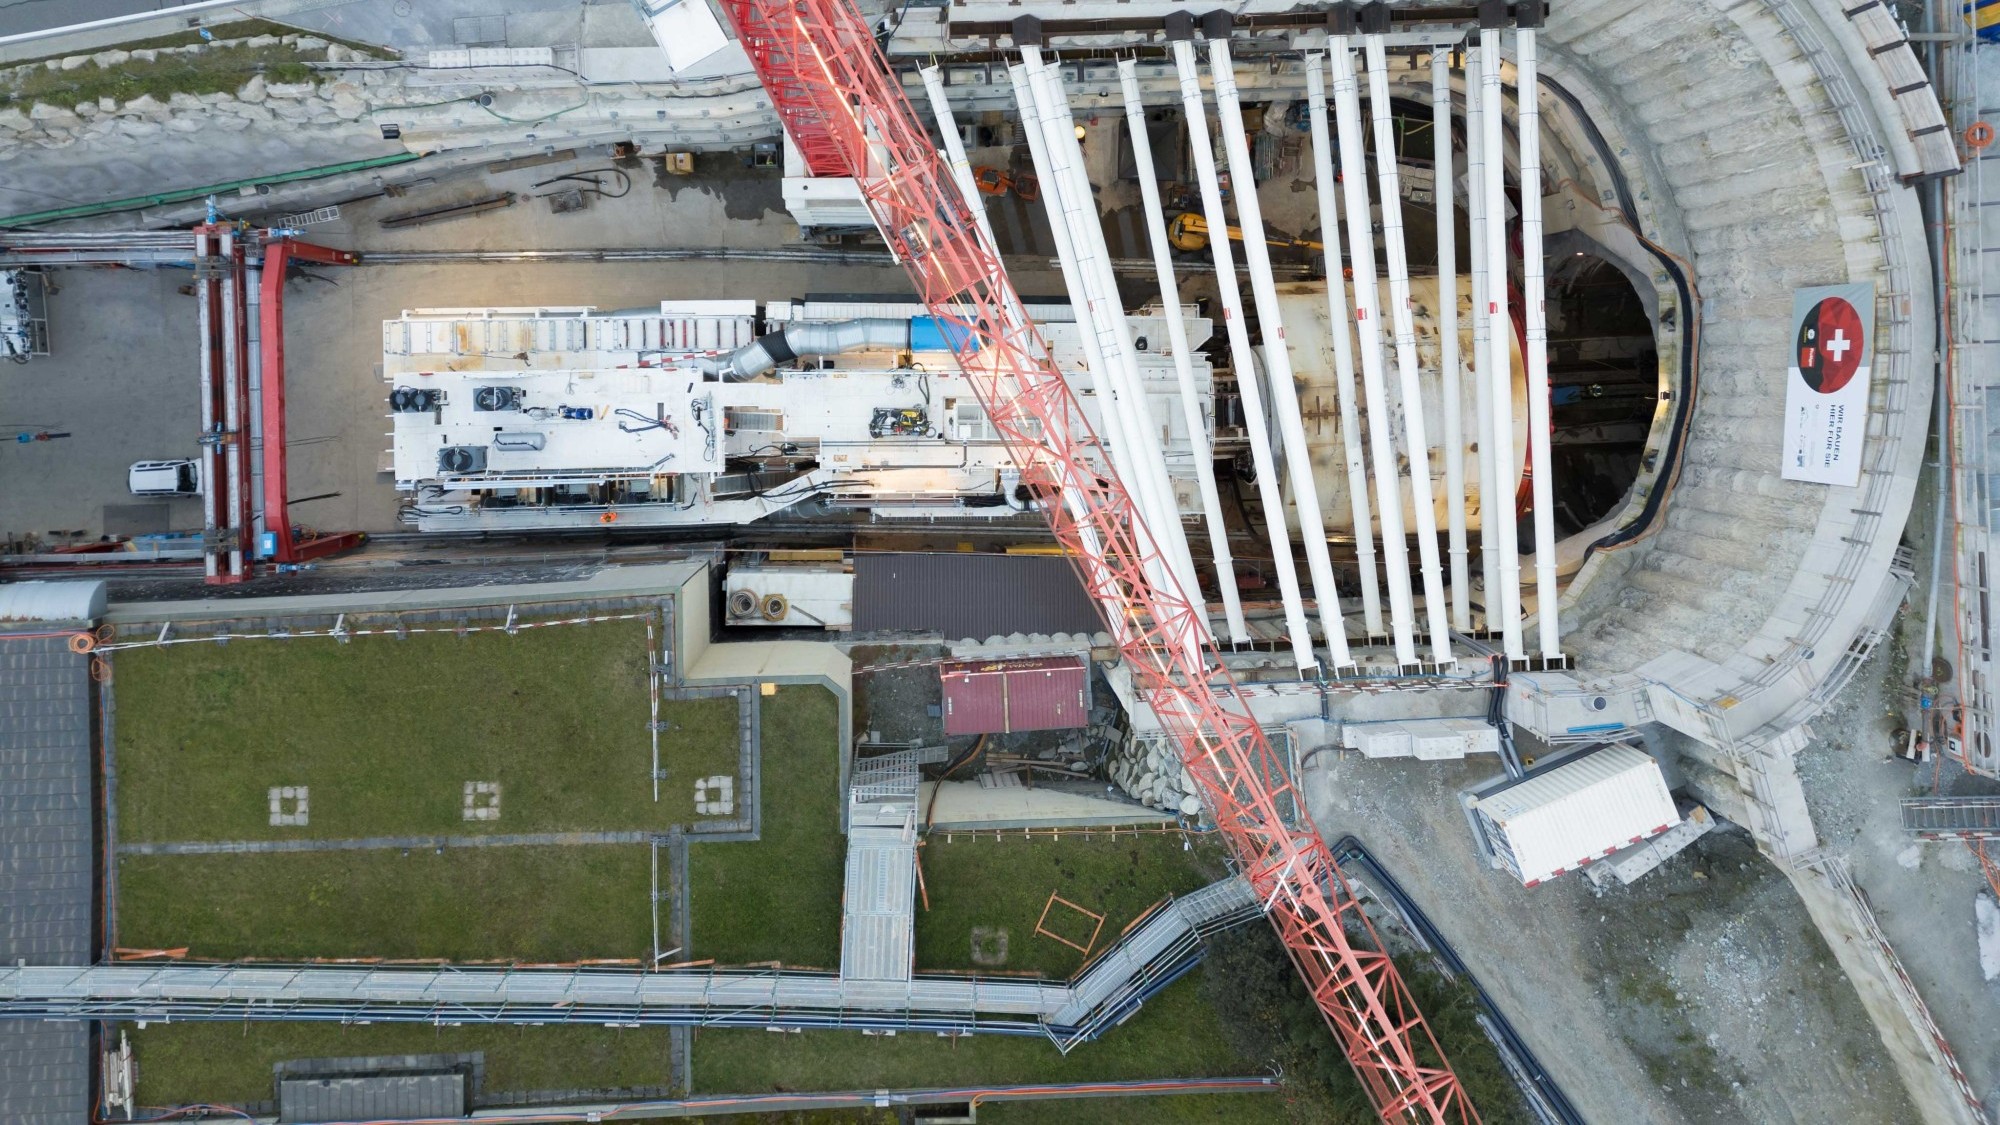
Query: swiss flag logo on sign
1831	345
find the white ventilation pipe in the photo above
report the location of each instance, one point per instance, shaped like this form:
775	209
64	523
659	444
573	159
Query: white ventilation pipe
954	151
1101	317
1415	437
1368	316
830	337
1072	283
1534	299
1277	354
1254	417
1147	456
1490	488
1343	348
1190	398
1497	373
1444	166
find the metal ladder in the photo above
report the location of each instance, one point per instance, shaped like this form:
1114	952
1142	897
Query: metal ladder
1952	818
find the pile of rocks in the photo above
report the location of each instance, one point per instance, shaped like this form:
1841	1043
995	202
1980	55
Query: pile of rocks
1150	771
283	105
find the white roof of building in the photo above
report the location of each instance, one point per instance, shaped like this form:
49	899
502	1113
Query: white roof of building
1570	814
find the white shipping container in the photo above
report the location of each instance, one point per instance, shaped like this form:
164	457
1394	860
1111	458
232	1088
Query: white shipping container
1570	815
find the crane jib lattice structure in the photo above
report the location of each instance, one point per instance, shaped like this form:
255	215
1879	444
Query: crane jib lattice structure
846	112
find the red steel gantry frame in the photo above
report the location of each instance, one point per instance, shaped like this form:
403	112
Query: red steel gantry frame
231	371
289	547
845	110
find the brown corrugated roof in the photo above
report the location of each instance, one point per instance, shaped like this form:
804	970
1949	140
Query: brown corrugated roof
1003	696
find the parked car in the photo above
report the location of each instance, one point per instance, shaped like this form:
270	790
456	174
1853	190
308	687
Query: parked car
165	478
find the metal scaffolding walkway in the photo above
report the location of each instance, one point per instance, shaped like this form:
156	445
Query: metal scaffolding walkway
877	917
1160	949
1952	818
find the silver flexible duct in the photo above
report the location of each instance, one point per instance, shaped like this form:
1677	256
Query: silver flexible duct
794	340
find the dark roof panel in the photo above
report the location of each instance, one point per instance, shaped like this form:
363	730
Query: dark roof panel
44	1073
960	596
45	866
388	1097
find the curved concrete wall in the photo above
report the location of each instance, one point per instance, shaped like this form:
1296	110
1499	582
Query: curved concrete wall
1751	166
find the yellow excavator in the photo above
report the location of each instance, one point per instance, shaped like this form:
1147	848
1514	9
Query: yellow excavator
1189	232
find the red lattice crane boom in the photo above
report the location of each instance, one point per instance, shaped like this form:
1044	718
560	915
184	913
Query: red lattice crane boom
845	110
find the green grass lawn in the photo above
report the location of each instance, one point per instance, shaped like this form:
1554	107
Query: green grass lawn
230	1063
1176	1035
977	881
778	899
386	734
467	904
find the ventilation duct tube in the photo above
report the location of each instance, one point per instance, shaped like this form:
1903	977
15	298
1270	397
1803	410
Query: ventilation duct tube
795	340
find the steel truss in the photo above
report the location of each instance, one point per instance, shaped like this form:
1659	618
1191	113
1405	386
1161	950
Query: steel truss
846	111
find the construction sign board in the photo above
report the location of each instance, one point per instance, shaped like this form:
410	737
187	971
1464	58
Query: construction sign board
1826	391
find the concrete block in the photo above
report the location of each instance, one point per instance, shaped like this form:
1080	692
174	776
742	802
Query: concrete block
109	59
257	42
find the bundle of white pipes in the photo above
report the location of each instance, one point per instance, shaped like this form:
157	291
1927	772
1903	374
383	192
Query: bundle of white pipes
1444	569
1126	416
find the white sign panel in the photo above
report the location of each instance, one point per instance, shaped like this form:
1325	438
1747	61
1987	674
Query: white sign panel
1826	388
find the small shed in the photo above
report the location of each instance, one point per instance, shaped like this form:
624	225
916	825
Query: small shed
1571	814
1004	696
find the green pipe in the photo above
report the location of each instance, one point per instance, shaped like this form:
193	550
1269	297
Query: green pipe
186	194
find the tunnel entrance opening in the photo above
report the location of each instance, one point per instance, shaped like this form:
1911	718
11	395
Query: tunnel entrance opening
1603	387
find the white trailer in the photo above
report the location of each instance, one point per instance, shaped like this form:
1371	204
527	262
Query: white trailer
1571	814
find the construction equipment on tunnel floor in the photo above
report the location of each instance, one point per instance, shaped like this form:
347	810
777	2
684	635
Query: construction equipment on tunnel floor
994	181
846	112
1189	233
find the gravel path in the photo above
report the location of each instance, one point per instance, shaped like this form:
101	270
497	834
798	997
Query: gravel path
1700	995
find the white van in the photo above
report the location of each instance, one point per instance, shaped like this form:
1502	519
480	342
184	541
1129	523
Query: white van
165	478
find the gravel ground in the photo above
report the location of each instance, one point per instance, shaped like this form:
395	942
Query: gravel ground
1701	995
1923	893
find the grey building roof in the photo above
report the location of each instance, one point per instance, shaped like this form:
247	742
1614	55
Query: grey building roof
963	596
45	866
385	1097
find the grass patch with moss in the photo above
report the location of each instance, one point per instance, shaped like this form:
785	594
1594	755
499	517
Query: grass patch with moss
217	70
386	734
230	1063
1176	1035
778	899
987	883
466	904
